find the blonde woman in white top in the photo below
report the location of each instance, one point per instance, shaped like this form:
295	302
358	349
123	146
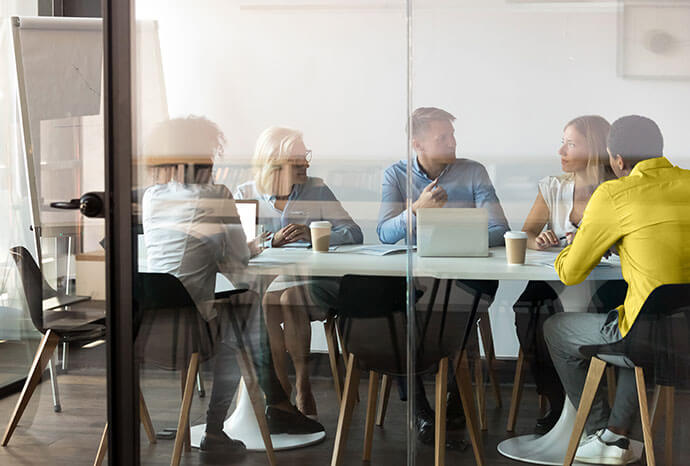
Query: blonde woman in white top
562	199
555	215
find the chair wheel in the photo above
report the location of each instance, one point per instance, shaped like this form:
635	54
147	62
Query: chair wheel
57	408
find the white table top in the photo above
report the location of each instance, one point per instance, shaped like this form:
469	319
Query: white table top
538	265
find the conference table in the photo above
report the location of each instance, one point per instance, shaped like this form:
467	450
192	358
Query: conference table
513	279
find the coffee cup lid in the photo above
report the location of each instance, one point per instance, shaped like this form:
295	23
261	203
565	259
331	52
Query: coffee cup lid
320	224
515	235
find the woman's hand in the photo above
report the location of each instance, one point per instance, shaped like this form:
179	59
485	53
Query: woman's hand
569	237
257	244
291	233
547	239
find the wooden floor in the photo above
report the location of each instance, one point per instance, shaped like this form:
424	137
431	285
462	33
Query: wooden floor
71	437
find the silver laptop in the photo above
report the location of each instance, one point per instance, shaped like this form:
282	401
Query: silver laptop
453	232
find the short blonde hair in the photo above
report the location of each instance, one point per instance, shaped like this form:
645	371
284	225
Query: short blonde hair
422	117
273	145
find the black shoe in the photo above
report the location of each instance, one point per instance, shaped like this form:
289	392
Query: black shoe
546	423
424	422
294	422
455	416
218	444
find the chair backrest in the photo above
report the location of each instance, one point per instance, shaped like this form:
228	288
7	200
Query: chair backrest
36	289
660	336
372	319
170	327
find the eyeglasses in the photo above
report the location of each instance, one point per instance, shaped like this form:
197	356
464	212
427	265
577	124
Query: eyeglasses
299	159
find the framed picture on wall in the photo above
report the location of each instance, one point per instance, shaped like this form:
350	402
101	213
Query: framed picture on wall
654	40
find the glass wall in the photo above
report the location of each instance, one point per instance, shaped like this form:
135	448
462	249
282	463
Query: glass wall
52	268
263	133
365	231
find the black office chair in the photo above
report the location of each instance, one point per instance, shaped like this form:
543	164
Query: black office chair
659	341
537	294
172	335
372	321
83	323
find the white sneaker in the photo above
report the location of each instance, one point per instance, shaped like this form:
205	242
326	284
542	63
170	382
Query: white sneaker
594	450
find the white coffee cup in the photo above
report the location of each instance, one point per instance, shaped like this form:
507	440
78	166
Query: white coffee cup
320	235
516	247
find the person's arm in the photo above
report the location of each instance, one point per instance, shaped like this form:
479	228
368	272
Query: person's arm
599	230
392	224
345	230
534	223
485	197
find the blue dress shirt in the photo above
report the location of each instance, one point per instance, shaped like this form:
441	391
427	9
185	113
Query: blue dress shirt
308	202
466	182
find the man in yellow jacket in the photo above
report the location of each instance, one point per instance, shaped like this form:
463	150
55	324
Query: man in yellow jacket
645	216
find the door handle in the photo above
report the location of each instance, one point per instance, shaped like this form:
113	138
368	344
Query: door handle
90	204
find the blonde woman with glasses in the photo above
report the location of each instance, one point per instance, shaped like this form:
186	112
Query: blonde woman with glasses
289	200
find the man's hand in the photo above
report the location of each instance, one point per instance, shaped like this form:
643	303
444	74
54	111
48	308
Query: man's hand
291	233
547	239
257	244
432	196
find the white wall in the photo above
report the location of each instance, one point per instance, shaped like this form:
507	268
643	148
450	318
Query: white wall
512	73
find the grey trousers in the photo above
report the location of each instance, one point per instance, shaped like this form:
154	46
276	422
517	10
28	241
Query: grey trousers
565	332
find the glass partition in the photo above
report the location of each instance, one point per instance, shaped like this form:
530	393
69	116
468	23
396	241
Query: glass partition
383	231
264	130
52	269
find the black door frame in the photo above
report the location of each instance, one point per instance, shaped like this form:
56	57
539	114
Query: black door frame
122	378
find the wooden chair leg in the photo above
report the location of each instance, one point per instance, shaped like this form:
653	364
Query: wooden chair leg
41	359
183	421
517	392
257	400
384	396
464	381
611	384
644	416
594	375
371	414
441	402
186	432
102	447
655	412
146	419
480	393
333	356
490	352
668	439
346	407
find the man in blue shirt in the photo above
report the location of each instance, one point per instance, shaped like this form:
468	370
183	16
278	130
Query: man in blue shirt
439	179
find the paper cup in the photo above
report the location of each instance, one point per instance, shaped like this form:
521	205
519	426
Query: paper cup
516	246
320	236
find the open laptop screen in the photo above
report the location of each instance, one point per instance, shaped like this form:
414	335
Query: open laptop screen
249	216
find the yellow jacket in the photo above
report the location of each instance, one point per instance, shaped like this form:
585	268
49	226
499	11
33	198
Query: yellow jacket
647	216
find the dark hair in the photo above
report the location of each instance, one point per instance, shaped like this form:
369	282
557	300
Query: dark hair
422	116
635	138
